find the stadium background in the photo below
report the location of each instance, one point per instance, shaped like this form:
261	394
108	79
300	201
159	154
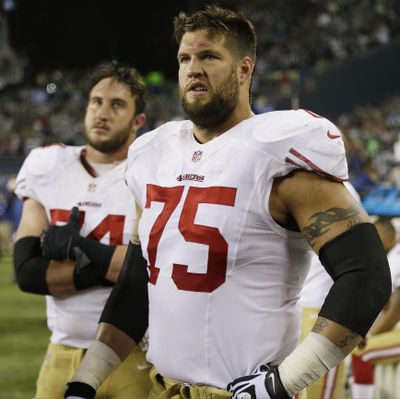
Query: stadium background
339	58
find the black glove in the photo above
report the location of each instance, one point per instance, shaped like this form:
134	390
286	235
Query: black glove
58	242
92	258
79	390
264	383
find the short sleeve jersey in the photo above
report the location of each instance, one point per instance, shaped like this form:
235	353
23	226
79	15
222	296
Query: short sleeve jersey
225	278
59	178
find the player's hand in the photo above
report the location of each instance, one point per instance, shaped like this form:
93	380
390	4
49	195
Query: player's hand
79	390
58	242
264	383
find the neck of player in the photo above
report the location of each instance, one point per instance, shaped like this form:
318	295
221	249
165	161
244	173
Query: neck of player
102	157
238	115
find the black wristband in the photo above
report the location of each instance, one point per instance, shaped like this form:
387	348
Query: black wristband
80	389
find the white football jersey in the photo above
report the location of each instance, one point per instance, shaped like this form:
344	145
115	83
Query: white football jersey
60	178
224	277
394	263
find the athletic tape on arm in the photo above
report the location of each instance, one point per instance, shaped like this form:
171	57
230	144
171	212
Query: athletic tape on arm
98	363
308	362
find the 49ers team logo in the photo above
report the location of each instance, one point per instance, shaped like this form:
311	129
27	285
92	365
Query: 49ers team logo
196	157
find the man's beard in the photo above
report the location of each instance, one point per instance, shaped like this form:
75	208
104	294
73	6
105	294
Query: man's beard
218	109
114	143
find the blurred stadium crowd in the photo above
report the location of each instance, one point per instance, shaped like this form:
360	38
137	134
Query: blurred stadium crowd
296	43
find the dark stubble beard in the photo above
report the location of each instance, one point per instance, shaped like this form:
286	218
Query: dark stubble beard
218	109
113	144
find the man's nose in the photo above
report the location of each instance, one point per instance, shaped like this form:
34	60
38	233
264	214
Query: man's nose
195	68
103	111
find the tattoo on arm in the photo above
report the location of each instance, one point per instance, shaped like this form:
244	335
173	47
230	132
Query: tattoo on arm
348	340
322	324
322	221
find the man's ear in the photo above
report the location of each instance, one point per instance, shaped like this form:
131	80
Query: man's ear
246	69
140	120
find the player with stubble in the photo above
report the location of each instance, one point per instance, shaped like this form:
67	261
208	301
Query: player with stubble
74	257
232	204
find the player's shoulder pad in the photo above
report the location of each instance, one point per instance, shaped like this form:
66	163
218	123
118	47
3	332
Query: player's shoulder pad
155	137
302	139
44	161
277	126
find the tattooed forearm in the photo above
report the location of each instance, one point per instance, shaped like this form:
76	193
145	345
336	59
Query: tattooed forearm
320	325
348	340
346	344
322	221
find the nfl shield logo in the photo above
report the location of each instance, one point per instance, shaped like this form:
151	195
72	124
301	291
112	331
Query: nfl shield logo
196	157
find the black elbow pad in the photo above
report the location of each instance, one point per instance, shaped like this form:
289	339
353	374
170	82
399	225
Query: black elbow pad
357	262
29	266
127	307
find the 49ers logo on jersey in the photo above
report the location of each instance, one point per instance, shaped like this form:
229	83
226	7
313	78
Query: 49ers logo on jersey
113	224
190	176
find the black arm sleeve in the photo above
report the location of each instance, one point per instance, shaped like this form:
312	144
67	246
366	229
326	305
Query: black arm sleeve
357	262
29	265
99	254
127	307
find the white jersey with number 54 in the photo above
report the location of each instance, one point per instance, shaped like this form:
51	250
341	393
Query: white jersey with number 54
224	277
59	178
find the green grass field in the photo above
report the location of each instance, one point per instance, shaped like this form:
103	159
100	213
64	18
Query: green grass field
23	337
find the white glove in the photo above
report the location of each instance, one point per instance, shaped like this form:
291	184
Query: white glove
264	383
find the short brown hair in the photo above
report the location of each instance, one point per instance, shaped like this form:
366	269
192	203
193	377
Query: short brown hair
122	73
237	29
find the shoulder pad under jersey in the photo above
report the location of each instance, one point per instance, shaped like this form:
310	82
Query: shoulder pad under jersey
43	164
302	139
155	137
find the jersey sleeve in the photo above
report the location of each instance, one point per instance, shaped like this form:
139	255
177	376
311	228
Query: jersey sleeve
394	263
303	140
132	174
142	152
39	167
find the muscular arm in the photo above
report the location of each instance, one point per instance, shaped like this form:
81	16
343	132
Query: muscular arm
33	221
322	209
59	274
351	251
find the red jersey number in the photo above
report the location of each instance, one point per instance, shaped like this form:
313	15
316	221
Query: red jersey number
113	224
211	236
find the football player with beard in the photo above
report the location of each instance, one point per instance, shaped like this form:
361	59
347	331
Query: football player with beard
231	205
75	263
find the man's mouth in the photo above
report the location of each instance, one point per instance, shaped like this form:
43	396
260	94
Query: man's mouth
197	87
